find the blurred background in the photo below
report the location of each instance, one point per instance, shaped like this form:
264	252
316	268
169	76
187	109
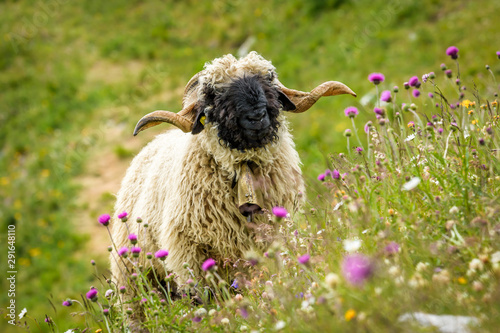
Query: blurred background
77	75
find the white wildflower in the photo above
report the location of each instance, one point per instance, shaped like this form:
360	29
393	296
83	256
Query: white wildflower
352	245
224	321
454	210
109	293
201	312
393	270
212	312
410	137
337	206
476	265
410	185
332	280
243	328
422	266
279	325
495	257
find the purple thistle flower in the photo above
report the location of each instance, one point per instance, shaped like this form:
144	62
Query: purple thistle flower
208	264
431	95
104	219
368	125
92	294
406	85
144	300
392	248
161	254
304	259
498	54
359	150
197	319
376	78
385	96
135	251
244	312
356	268
122	215
443	67
67	302
321	177
413	81
132	238
415	92
452	51
48	320
336	174
395	89
351	112
279	212
328	172
123	252
448	73
379	111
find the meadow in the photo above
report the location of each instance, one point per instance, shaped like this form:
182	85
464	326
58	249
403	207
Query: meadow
417	205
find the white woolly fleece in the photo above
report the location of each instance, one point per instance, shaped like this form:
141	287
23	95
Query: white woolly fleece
182	186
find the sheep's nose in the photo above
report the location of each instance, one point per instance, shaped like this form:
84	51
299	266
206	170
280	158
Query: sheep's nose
256	116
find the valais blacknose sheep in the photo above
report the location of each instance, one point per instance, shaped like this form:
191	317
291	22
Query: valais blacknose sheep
231	158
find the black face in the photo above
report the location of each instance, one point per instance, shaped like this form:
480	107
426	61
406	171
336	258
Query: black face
246	113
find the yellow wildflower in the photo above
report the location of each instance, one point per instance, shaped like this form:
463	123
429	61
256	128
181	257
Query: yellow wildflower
471	112
350	314
45	173
462	280
468	103
474	122
24	262
494	103
4	181
35	252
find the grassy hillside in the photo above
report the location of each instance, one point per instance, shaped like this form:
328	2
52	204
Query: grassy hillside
76	76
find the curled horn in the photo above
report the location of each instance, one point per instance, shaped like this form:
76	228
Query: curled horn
304	100
158	117
183	119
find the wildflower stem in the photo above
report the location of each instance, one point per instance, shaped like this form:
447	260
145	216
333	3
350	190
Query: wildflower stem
447	143
116	249
348	147
105	318
356	131
158	281
418	118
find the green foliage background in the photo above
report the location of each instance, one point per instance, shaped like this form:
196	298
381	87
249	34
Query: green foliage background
73	71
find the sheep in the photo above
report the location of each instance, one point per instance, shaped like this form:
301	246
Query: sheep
232	158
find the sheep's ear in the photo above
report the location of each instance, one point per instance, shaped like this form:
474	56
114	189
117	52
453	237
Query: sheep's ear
199	123
285	101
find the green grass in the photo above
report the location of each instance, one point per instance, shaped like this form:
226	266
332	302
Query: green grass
73	72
